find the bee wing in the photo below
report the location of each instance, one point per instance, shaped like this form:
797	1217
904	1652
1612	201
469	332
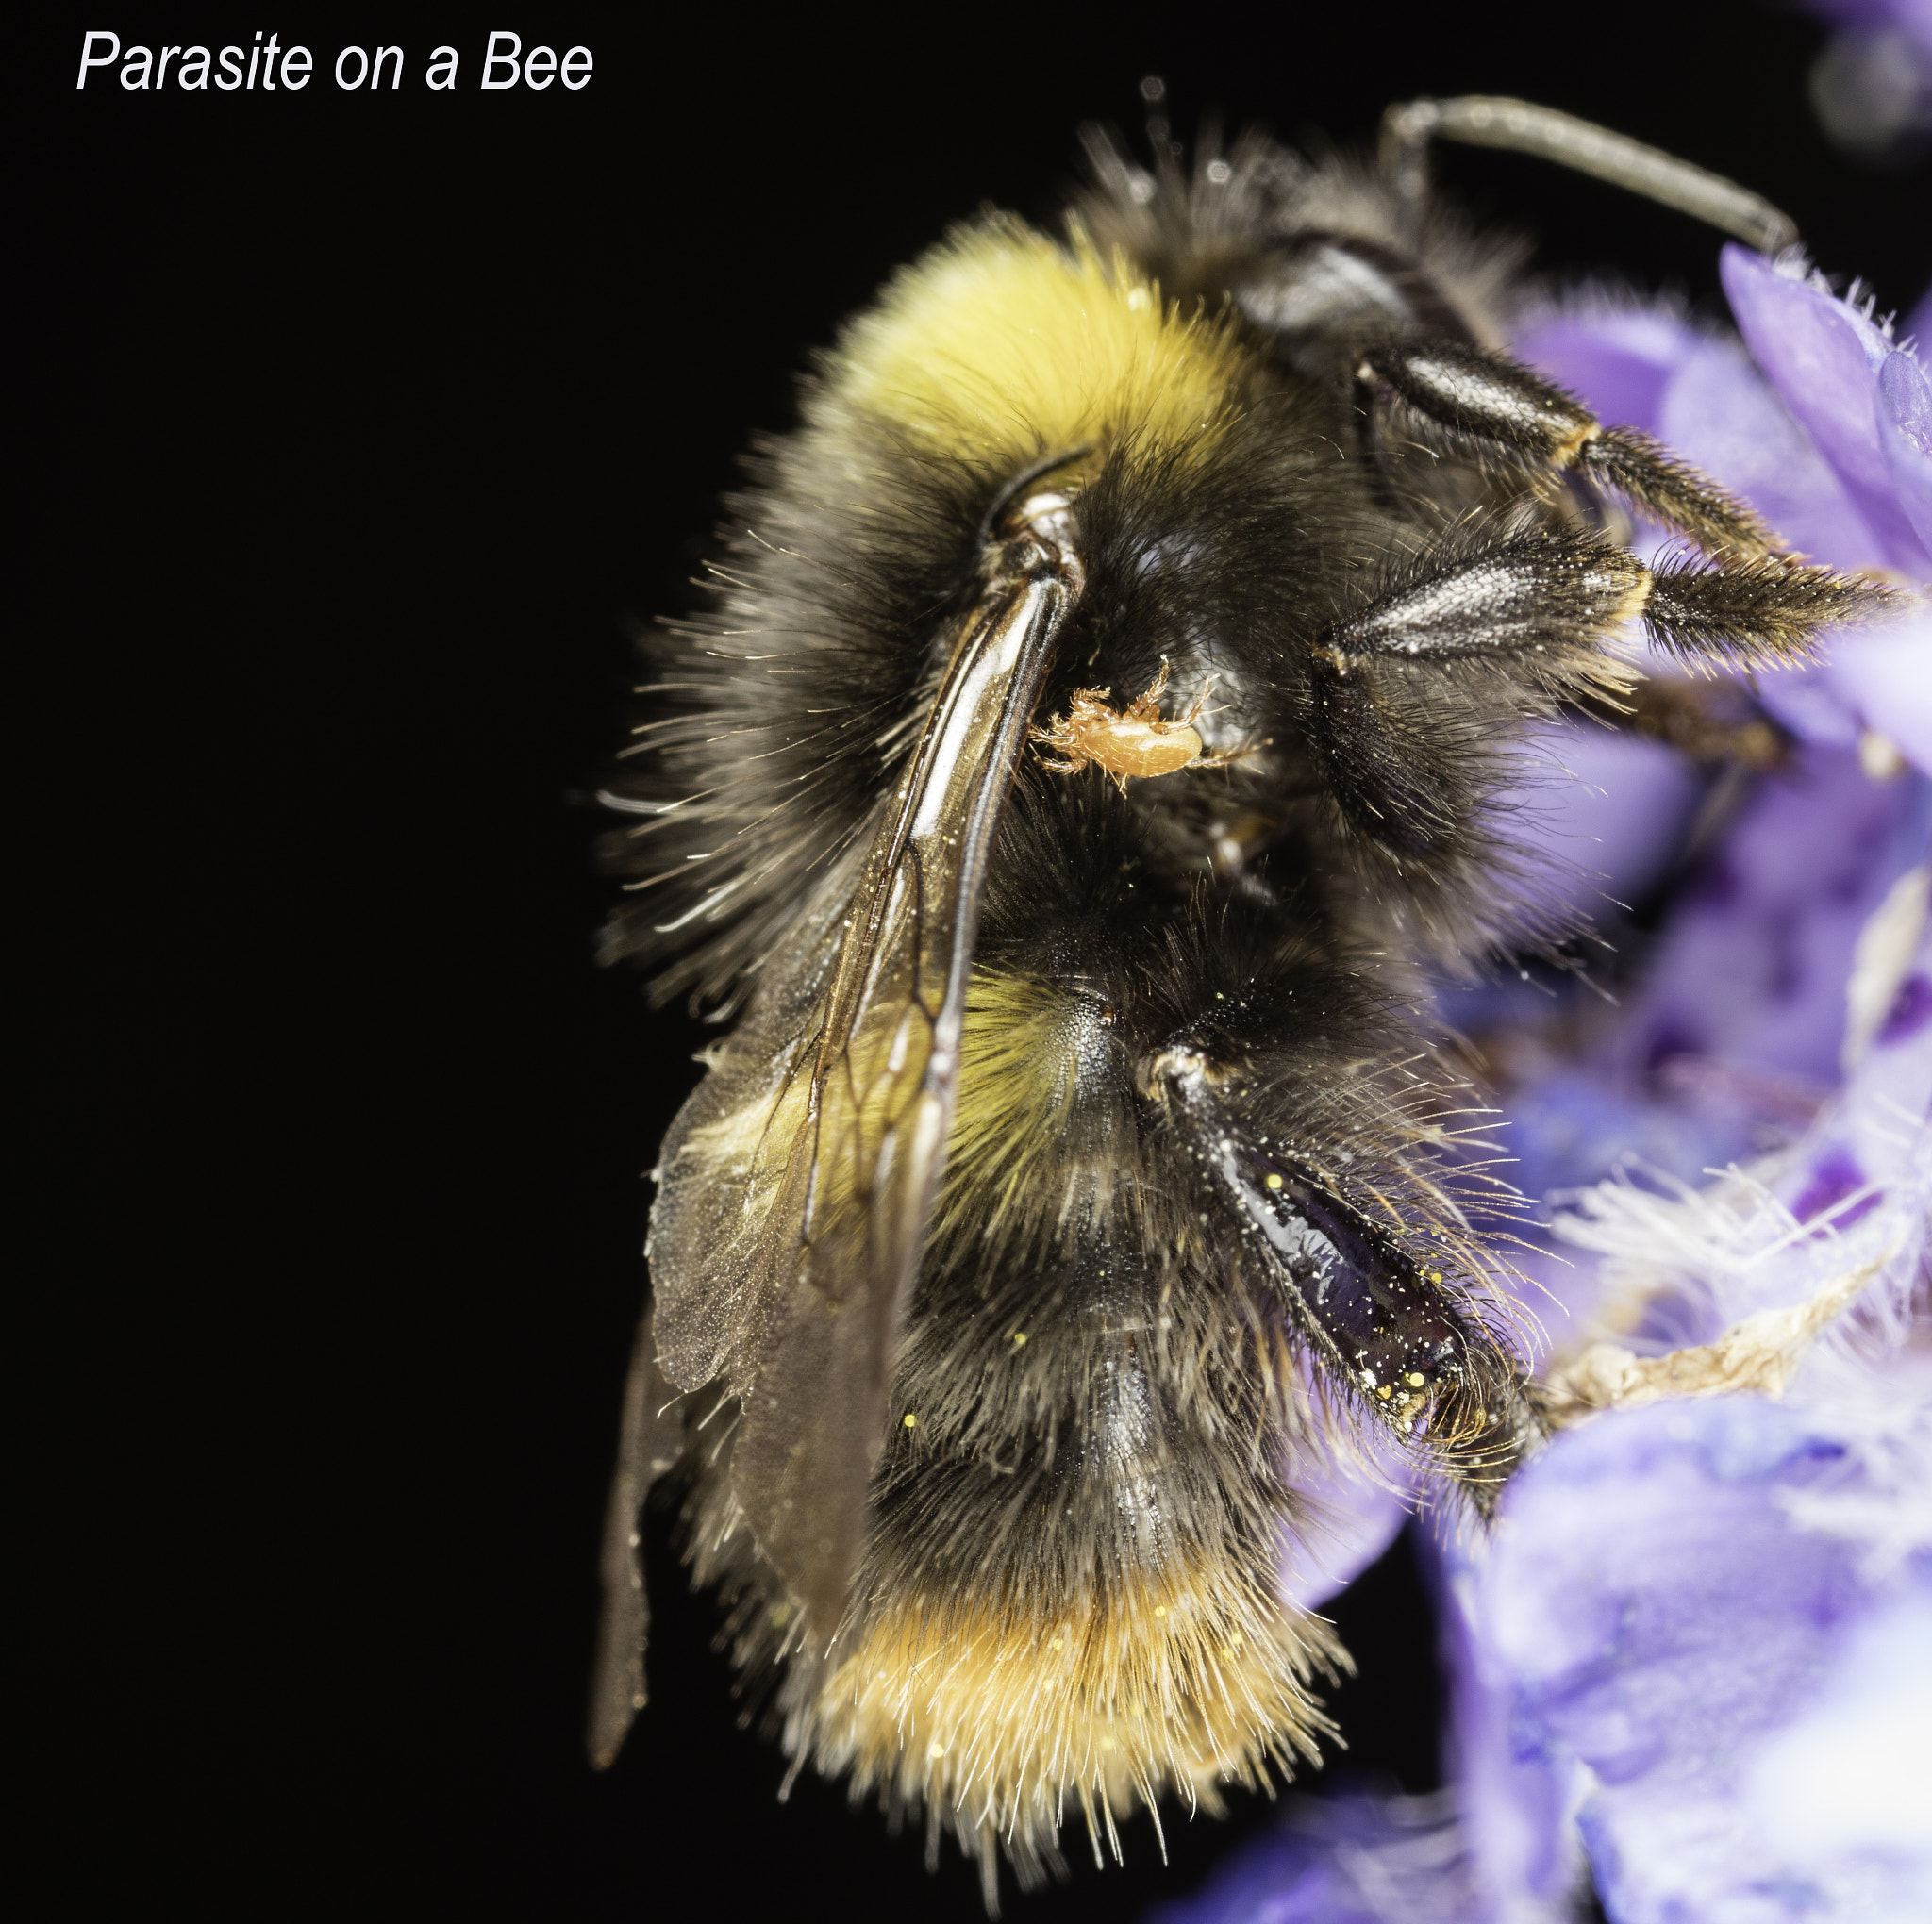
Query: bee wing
793	1203
648	1445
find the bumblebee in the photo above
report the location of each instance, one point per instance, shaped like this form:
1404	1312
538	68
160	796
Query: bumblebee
1085	759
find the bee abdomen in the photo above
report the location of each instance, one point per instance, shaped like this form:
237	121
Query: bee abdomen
995	1714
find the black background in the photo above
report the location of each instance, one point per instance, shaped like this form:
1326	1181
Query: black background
356	429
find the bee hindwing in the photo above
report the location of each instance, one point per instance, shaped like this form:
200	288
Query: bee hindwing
648	1446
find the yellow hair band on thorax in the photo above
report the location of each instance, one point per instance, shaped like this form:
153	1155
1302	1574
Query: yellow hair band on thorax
999	343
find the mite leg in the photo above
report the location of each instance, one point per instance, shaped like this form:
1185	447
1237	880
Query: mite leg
1227	757
1542	604
1716	723
1485	405
1148	707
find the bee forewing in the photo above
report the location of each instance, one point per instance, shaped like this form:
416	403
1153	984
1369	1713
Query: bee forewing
796	1294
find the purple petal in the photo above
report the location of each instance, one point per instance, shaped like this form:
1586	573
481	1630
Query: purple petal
1749	979
1866	1140
1575	1127
1617	361
1910	1011
1822	357
1665	1616
1905	421
1833	1178
1718	412
1883	678
1351	1858
1846	1783
1605	809
1352	1515
1810	702
1517	1795
1851	1199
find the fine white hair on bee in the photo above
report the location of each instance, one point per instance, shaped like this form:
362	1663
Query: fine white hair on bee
1083	1166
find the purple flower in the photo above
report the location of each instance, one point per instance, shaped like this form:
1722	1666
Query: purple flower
1693	1660
1667	1612
1736	1036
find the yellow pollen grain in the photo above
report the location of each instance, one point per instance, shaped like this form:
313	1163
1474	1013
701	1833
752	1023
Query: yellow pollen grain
1415	1379
911	1421
1435	1275
1018	1338
1273	1182
1383	1391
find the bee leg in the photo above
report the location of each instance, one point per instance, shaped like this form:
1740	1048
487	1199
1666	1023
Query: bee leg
1390	786
1518	126
1394	1335
1544	604
1485	405
1716	722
